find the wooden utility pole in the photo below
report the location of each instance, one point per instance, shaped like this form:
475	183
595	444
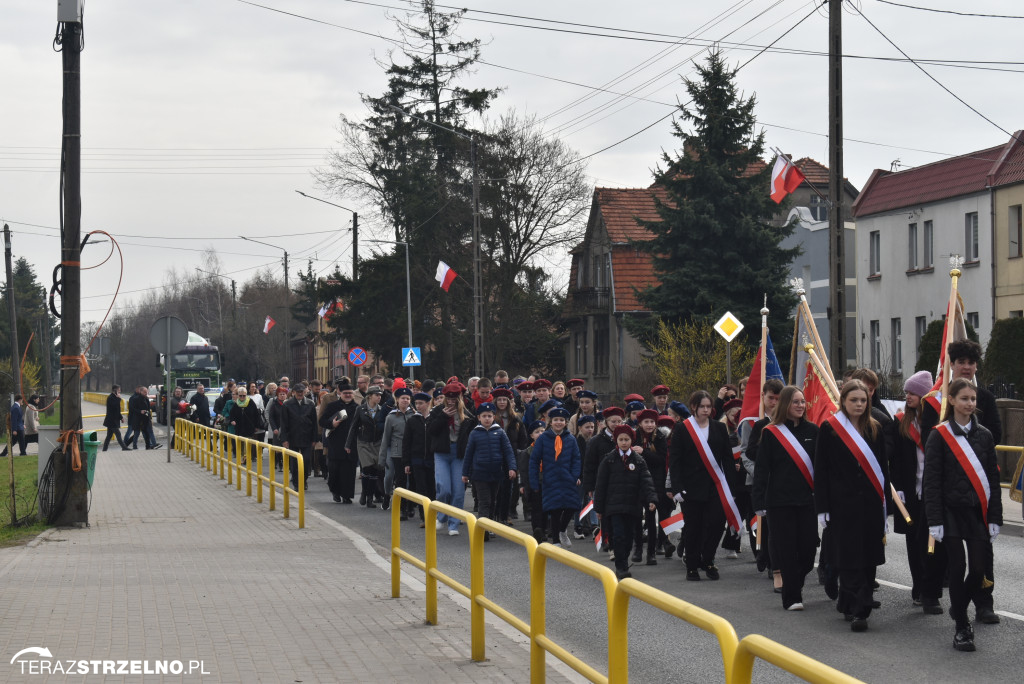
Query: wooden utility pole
76	509
837	248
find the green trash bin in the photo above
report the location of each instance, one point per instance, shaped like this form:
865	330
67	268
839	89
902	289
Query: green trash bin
92	442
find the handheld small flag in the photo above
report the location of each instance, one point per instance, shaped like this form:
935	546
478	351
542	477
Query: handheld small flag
586	510
268	324
445	275
597	541
673	523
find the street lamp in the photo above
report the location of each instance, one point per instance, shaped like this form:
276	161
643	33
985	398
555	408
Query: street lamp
287	303
408	293
234	299
478	306
355	230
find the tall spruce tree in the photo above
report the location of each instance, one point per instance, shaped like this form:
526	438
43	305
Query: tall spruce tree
714	249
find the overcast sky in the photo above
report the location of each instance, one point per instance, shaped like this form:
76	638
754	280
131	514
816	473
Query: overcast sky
201	117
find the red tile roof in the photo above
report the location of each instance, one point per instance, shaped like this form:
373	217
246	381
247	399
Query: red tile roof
815	172
630	269
621	207
1010	167
939	180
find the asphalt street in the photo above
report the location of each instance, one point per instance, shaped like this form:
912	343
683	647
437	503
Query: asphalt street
902	644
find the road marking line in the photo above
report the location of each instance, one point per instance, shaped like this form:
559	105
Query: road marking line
1008	614
894	585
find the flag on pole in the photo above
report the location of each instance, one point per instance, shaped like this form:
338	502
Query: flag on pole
598	540
586	510
752	398
323	311
785	178
959	333
820	403
445	275
673	523
268	324
327	309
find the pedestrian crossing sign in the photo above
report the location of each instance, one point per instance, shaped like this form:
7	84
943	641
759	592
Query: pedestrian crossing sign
411	356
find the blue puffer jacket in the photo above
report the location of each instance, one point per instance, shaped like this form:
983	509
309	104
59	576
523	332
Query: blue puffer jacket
557	478
489	455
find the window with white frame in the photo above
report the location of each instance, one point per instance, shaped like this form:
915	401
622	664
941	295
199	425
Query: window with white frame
897	345
818	208
1014	227
973	319
928	245
875	340
971	236
912	247
875	253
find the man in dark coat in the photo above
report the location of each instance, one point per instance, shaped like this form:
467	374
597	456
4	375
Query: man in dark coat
299	431
112	419
417	460
200	406
341	465
139	412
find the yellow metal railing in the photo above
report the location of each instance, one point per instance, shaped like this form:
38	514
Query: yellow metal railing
737	655
232	456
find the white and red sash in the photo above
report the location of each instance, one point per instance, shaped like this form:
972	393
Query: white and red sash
969	461
732	514
795	450
914	430
857	445
936	402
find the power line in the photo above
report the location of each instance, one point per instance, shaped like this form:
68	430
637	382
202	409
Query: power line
946	11
166	237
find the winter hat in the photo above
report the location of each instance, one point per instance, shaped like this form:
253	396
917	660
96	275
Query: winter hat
679	408
402	392
399	383
920	383
730	405
575	382
421	396
633	397
372	390
660	389
453	389
550	405
583	420
614	411
624	430
666	421
486	407
502	392
438	391
635	406
587	394
536	425
558	412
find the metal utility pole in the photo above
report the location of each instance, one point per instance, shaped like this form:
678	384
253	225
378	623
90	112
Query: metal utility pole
478	300
355	231
837	248
75	483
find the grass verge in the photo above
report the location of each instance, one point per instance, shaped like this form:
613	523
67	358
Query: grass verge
25	487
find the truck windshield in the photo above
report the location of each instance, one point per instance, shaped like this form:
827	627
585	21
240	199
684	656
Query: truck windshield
195	361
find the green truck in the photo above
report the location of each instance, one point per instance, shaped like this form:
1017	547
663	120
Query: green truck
198	362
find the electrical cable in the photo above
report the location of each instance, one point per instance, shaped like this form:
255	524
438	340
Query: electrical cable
946	11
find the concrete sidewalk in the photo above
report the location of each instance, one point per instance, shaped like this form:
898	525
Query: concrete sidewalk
177	566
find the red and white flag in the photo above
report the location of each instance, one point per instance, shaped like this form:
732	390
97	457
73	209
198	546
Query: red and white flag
598	540
820	404
445	275
268	324
586	510
785	178
673	523
327	309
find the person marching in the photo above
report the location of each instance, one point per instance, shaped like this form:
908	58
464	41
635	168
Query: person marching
623	486
598	446
337	420
654	450
390	456
555	463
906	467
750	438
533	508
963	501
587	406
585	428
697	457
735	475
784	491
506	417
662	398
850	481
633	408
489	461
448	428
416	457
364	440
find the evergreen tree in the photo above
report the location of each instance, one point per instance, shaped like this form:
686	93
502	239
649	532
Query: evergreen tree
714	249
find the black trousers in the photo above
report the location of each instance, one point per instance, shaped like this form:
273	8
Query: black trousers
731	540
505	489
558	520
486	497
983	597
423	482
856	591
341	477
964	589
532	499
307	466
926	570
113	432
794	543
655	535
705	523
622	529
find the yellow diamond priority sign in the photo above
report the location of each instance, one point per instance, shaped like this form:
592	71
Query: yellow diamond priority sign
728	326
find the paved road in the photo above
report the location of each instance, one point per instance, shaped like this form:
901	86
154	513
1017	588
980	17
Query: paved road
902	644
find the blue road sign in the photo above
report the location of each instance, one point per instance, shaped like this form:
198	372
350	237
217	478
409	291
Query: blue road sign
411	356
357	356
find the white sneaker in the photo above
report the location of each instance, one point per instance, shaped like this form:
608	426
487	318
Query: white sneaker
732	554
453	532
564	538
796	606
439	526
578	535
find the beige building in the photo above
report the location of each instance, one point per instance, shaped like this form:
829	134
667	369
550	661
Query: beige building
1006	181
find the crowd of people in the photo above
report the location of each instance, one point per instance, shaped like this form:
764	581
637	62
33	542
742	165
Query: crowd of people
628	475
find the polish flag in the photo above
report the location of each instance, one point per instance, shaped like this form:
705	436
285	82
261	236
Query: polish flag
785	178
445	275
673	523
268	324
323	311
820	403
327	309
586	510
597	541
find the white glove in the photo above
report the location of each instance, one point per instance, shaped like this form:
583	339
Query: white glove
678	497
342	415
936	532
823	519
761	514
903	498
993	530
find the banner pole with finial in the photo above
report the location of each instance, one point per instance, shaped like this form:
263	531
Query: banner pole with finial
954	274
764	354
